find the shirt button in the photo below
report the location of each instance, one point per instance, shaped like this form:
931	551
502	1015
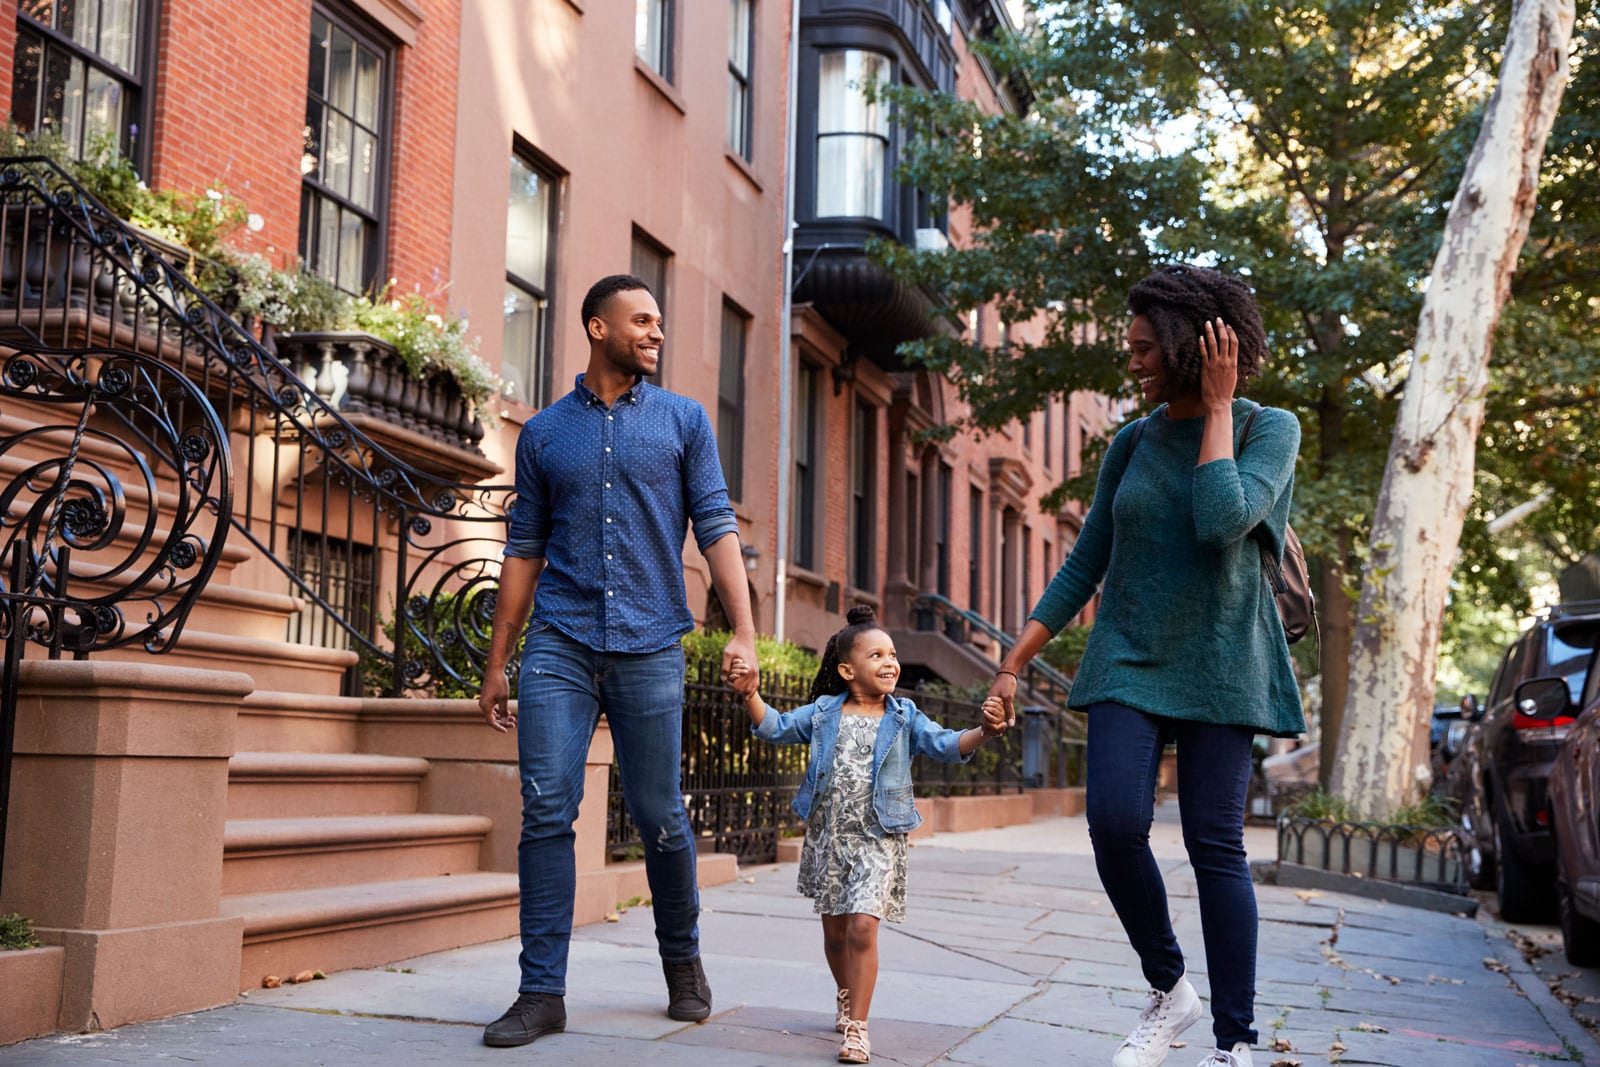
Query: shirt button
608	485
611	418
610	593
608	448
608	518
608	555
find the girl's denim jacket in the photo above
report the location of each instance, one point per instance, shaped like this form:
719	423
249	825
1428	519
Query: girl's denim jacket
904	732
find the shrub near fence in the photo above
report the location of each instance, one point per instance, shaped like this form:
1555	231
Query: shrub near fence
738	789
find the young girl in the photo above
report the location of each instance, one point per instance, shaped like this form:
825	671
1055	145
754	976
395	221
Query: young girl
857	800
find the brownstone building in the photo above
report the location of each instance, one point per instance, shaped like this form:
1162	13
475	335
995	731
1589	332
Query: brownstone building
498	156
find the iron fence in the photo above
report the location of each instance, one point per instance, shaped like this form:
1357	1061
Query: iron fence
737	789
1430	856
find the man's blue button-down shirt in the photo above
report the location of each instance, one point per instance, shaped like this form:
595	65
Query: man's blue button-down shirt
605	497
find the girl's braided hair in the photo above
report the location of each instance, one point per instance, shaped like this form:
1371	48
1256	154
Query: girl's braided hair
1178	300
859	620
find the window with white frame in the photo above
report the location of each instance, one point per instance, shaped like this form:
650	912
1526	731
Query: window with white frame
852	136
652	34
741	39
530	240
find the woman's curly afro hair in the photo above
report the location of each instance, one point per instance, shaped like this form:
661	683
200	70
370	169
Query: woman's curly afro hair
1177	300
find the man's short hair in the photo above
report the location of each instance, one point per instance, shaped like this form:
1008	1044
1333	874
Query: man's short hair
605	289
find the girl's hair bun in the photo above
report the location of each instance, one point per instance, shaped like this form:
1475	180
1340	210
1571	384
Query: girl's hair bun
861	613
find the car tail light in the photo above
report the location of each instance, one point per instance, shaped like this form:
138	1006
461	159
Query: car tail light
1528	722
1542	817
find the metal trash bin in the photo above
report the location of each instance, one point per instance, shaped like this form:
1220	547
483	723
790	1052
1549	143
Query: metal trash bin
1036	736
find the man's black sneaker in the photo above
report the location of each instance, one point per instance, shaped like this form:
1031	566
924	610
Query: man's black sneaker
688	992
530	1018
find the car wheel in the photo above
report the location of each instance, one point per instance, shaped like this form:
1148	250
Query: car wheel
1525	895
1580	935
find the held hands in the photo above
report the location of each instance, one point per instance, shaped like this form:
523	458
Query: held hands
1004	689
1219	364
741	650
995	719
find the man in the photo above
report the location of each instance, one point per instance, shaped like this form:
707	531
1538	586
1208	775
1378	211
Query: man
609	478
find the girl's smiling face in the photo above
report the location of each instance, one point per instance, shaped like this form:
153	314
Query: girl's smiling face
872	668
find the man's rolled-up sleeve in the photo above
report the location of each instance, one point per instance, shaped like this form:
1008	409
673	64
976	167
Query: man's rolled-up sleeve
704	489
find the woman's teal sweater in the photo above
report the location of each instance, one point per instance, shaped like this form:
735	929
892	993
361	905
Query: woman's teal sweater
1187	626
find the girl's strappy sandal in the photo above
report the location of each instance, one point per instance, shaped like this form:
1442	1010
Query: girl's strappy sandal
856	1047
842	999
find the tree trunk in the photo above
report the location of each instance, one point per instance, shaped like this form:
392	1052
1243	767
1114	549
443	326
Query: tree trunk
1334	623
1335	611
1427	484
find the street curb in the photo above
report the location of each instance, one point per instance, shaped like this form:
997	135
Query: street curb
1298	876
1556	1014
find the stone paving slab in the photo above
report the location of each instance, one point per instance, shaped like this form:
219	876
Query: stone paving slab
1011	955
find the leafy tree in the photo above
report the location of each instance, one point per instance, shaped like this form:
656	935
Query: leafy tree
1313	146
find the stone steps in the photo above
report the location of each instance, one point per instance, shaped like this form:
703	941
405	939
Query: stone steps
371	923
278	785
272	664
276	855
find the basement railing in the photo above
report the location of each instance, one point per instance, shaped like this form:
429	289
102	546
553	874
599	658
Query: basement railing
353	504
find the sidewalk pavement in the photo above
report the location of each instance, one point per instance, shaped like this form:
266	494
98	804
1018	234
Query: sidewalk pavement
1010	955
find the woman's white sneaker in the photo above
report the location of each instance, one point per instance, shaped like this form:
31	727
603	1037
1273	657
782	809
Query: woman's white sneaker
1239	1057
1163	1019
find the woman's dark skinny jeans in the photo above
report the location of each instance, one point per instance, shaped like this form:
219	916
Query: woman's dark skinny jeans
1213	776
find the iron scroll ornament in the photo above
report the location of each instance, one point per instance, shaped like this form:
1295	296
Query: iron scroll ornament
119	510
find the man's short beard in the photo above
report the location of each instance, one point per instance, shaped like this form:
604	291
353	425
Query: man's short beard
625	358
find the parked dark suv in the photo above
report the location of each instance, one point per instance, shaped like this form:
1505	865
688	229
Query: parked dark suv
1575	812
1502	783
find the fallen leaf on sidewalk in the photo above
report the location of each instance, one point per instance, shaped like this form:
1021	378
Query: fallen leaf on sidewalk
1308	894
1286	1062
1281	1044
613	917
1497	966
749	881
303	976
1370	1028
1337	1047
1179	1044
271	981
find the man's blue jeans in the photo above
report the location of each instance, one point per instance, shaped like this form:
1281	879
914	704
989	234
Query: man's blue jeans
565	686
1213	777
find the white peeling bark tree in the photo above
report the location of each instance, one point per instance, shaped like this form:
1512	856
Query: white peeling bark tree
1427	483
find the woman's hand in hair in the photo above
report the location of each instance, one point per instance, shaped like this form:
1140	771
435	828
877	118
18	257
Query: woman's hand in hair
1219	364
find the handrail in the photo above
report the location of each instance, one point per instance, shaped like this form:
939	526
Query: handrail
1053	680
73	274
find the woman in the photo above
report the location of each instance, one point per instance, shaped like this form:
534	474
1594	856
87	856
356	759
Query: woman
1187	645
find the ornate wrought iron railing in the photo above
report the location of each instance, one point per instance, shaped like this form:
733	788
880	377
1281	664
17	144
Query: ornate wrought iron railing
336	483
114	511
